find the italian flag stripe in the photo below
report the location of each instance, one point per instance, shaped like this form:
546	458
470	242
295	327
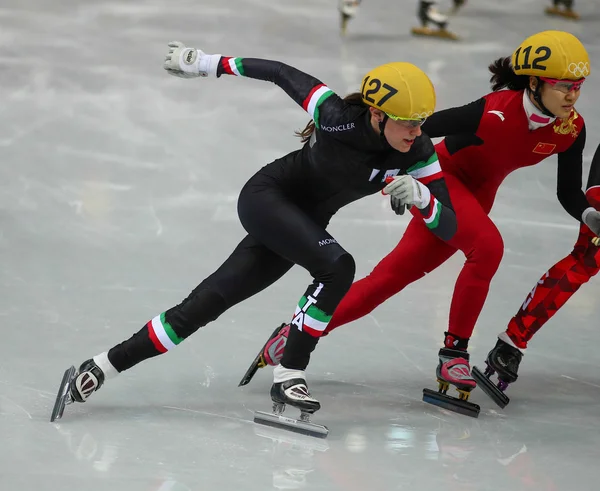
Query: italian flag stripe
433	219
315	98
317	314
432	177
425	169
424	163
163	332
236	66
315	320
151	334
225	64
232	66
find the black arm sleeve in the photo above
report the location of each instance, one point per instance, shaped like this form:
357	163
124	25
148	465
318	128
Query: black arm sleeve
455	121
569	179
324	106
594	176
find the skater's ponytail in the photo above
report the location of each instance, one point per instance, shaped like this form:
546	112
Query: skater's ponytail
306	133
504	77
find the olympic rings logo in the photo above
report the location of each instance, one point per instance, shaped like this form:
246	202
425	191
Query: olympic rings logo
423	115
580	69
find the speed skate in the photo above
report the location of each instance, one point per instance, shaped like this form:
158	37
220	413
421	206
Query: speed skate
453	369
64	394
302	425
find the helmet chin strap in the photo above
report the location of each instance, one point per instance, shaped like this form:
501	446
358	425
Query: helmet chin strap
537	97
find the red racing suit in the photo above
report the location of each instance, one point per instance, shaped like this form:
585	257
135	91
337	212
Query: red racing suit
489	139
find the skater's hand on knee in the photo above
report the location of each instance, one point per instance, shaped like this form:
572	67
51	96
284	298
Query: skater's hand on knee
591	218
185	62
408	191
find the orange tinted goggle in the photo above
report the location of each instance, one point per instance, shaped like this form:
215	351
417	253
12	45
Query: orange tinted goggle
565	86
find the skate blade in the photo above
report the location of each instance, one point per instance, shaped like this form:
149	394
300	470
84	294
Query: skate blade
487	386
451	403
295	425
438	33
277	435
257	363
567	14
63	397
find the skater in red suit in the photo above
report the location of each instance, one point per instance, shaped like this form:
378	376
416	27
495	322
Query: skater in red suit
491	137
551	292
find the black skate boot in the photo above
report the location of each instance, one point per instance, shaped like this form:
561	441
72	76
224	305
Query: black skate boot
77	386
453	369
503	359
290	388
565	11
270	354
428	14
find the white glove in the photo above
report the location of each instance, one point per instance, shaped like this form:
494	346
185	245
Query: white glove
407	191
190	62
591	217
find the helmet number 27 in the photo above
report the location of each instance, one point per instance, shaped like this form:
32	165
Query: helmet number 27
375	86
536	61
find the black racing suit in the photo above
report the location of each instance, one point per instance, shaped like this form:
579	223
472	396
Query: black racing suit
285	208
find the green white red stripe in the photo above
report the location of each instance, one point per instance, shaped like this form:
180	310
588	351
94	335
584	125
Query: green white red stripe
162	334
314	320
232	66
435	211
313	101
427	171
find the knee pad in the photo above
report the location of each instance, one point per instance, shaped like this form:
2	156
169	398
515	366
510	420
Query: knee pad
198	309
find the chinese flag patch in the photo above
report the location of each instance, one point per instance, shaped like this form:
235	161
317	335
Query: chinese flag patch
544	148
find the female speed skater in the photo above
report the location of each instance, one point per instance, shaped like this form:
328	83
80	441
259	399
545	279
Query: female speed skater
489	138
550	293
357	146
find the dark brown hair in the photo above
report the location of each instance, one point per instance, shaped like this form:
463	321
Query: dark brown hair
306	133
503	76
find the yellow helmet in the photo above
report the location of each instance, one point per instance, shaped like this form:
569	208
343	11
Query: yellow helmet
401	90
552	54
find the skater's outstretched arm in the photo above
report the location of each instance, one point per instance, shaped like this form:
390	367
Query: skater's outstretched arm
324	106
455	121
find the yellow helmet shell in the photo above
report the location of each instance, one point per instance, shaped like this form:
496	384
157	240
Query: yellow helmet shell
400	89
552	54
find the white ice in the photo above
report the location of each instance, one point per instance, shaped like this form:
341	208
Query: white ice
118	188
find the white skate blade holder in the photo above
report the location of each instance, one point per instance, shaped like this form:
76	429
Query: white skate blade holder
64	396
301	426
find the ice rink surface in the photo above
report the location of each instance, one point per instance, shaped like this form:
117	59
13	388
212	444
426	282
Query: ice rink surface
118	188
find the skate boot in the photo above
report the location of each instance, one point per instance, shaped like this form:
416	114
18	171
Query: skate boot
566	11
348	9
504	360
289	388
77	386
428	14
453	369
270	354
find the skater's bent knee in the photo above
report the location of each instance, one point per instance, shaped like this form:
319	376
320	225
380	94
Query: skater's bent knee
487	252
343	270
198	309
